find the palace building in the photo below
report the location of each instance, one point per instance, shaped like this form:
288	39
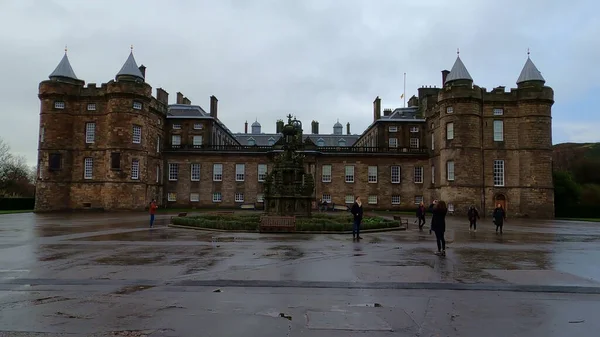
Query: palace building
116	147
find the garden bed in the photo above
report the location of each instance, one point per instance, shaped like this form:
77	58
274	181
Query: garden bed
316	223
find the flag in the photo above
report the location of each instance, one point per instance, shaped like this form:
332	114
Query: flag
402	96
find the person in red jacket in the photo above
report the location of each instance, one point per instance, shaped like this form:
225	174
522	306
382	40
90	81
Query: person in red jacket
153	208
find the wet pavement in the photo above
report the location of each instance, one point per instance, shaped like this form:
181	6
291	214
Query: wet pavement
107	274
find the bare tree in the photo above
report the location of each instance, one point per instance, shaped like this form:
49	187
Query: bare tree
15	175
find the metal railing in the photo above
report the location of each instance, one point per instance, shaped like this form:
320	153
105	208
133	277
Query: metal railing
324	149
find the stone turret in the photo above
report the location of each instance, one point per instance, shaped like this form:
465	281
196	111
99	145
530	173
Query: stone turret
459	75
130	71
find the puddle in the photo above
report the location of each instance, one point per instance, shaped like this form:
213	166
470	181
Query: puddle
474	259
284	252
57	229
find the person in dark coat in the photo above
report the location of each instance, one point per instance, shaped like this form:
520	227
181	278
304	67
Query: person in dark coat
357	212
473	215
438	224
499	216
421	215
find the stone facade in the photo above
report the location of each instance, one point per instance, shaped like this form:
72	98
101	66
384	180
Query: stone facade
500	147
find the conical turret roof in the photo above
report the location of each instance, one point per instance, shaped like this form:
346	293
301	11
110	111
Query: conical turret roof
130	68
530	73
64	69
458	72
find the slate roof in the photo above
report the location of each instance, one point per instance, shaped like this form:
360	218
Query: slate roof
458	72
192	112
64	69
409	114
262	139
530	73
130	68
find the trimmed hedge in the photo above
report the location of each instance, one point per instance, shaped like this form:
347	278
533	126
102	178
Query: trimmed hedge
250	222
16	204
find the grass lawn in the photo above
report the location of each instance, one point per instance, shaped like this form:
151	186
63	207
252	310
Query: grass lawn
16	211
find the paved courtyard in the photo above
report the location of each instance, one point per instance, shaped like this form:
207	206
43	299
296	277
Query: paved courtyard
107	274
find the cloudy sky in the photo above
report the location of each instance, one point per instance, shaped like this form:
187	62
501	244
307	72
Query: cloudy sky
317	59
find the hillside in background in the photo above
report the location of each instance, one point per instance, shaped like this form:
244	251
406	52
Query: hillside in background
567	155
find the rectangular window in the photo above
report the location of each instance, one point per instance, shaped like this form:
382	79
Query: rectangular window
217	197
195	172
91	106
59	105
194	197
137	134
172	196
158	144
450	131
240	172
260	197
418	199
42	134
498	112
90	132
433	174
326	173
137	105
349	199
173	171
372	177
176	140
450	170
197	141
414	143
239	197
372	200
176	126
157	173
54	161
395	174
498	172
418	174
88	168
326	198
135	169
197	126
349	174
262	172
432	141
393	142
449	110
395	200
393	129
414	129
217	172
498	131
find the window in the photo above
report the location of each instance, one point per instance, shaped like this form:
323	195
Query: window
498	172
240	170
498	112
157	173
395	200
158	144
372	200
251	142
349	199
172	196
42	134
194	197
217	197
393	142
393	129
195	172
372	174
88	168
342	142
90	132
432	141
414	129
395	174
173	171
450	131
349	174
54	161
433	174
326	198
262	172
176	126
498	131
197	141
59	105
326	173
91	106
175	140
239	197
260	197
449	110
135	169
414	143
137	134
217	172
418	174
418	199
271	141
197	126
320	142
450	170
137	105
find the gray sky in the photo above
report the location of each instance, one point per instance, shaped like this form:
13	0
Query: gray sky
317	59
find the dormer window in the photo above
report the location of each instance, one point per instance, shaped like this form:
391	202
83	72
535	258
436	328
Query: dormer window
449	110
393	129
176	126
197	126
251	142
271	141
59	105
137	105
342	142
320	142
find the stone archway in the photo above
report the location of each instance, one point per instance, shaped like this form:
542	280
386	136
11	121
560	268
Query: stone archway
500	199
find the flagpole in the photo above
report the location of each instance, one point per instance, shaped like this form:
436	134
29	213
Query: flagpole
404	94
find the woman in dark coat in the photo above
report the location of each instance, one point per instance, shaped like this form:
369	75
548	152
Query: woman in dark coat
499	216
421	216
357	212
438	224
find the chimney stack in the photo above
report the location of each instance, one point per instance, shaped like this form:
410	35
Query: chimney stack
377	109
315	128
246	127
162	95
143	70
213	106
348	128
179	98
444	75
279	126
186	101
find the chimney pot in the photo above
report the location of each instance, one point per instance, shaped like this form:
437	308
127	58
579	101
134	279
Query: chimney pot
246	127
213	106
348	128
444	75
377	108
142	69
179	98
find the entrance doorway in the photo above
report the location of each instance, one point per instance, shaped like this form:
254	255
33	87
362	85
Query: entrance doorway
500	199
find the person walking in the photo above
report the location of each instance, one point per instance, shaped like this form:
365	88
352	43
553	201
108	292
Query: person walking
473	215
499	216
421	216
357	212
153	208
438	224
